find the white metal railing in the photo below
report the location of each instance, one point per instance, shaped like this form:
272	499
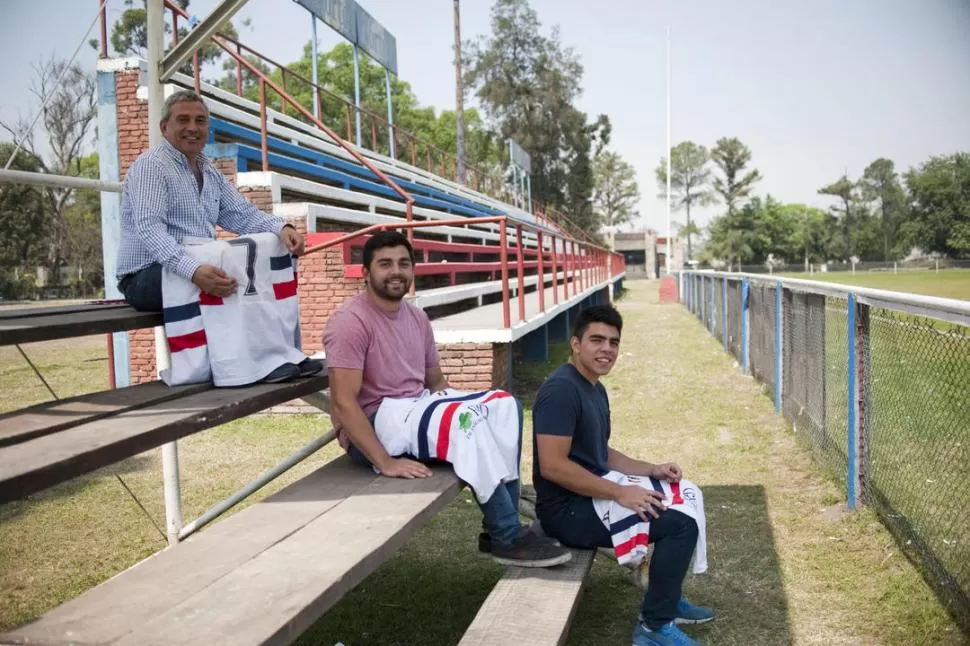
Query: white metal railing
61	181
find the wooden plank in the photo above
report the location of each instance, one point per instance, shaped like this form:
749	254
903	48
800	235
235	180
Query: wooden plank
262	576
54	310
272	599
134	597
531	606
53	416
47	460
30	329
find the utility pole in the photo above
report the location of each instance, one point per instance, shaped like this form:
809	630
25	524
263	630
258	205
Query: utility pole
459	98
669	259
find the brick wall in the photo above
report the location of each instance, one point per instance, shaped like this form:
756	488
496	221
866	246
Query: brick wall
475	366
322	288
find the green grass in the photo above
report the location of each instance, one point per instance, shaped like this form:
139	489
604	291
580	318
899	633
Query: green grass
784	568
948	283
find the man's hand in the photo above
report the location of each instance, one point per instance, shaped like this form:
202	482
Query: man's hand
292	239
667	471
212	280
404	468
640	500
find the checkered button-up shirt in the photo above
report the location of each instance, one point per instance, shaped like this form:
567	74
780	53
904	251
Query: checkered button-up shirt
161	205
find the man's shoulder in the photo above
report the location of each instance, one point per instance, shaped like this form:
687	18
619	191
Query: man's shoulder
151	158
559	380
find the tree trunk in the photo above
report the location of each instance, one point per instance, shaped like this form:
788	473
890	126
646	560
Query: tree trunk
688	236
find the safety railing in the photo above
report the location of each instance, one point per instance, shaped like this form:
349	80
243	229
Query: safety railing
876	384
586	264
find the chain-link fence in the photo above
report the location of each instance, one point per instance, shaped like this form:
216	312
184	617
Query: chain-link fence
877	387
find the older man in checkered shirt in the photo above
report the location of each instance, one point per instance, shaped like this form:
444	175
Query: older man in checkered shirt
173	192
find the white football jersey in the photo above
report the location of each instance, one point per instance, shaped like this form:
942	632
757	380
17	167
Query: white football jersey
239	339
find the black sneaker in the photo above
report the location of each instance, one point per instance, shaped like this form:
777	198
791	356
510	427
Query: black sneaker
529	550
309	367
285	372
485	539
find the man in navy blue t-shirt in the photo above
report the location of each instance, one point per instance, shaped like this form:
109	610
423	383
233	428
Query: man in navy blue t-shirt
571	453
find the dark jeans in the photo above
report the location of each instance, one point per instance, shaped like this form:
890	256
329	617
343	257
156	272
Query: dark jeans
500	513
143	289
673	534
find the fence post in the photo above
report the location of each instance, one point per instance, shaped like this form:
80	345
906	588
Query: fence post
724	310
778	342
745	286
713	318
858	358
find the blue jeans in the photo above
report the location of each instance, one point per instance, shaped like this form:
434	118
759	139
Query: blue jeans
500	513
143	289
673	534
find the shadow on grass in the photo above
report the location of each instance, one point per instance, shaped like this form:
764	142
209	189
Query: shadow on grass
743	583
428	593
75	486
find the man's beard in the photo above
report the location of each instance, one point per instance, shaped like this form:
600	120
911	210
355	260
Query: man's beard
391	293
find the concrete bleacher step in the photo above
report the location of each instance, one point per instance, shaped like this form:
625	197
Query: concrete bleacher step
261	576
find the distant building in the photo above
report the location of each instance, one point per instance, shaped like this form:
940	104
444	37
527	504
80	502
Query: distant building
646	253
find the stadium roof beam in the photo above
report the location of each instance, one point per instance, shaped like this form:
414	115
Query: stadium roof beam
195	38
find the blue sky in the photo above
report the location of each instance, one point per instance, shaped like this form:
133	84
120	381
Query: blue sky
813	88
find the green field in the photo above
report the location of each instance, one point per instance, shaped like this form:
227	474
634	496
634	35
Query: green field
788	565
948	283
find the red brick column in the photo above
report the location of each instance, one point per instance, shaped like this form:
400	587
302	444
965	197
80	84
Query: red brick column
475	366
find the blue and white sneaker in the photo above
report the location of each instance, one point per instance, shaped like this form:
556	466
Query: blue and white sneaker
666	635
688	613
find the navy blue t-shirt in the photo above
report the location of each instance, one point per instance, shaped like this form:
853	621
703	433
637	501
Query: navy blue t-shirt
568	404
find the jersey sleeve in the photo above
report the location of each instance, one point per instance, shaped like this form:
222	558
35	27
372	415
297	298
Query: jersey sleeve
556	410
345	342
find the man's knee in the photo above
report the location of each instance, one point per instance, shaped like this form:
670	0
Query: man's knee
684	526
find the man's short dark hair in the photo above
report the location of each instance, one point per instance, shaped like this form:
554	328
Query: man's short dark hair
597	314
383	239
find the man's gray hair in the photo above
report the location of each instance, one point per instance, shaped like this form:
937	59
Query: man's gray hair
180	97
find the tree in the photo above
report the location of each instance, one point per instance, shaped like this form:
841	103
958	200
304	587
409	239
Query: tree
842	189
67	117
731	157
24	221
939	194
616	193
880	184
527	84
690	179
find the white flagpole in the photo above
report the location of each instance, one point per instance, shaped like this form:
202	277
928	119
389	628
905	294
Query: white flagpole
669	259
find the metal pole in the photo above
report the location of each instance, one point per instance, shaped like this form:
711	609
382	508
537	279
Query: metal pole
528	182
357	90
669	260
459	98
170	460
316	77
853	438
261	481
778	344
390	112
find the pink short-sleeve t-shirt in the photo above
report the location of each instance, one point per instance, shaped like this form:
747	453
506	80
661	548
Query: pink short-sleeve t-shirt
393	349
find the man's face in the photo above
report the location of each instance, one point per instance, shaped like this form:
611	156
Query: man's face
187	127
390	273
596	352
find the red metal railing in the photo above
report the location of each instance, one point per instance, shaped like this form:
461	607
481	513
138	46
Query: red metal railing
589	263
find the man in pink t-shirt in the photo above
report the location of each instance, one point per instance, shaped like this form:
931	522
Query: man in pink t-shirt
378	345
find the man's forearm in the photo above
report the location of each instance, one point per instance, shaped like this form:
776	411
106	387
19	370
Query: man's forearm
625	464
569	475
362	434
